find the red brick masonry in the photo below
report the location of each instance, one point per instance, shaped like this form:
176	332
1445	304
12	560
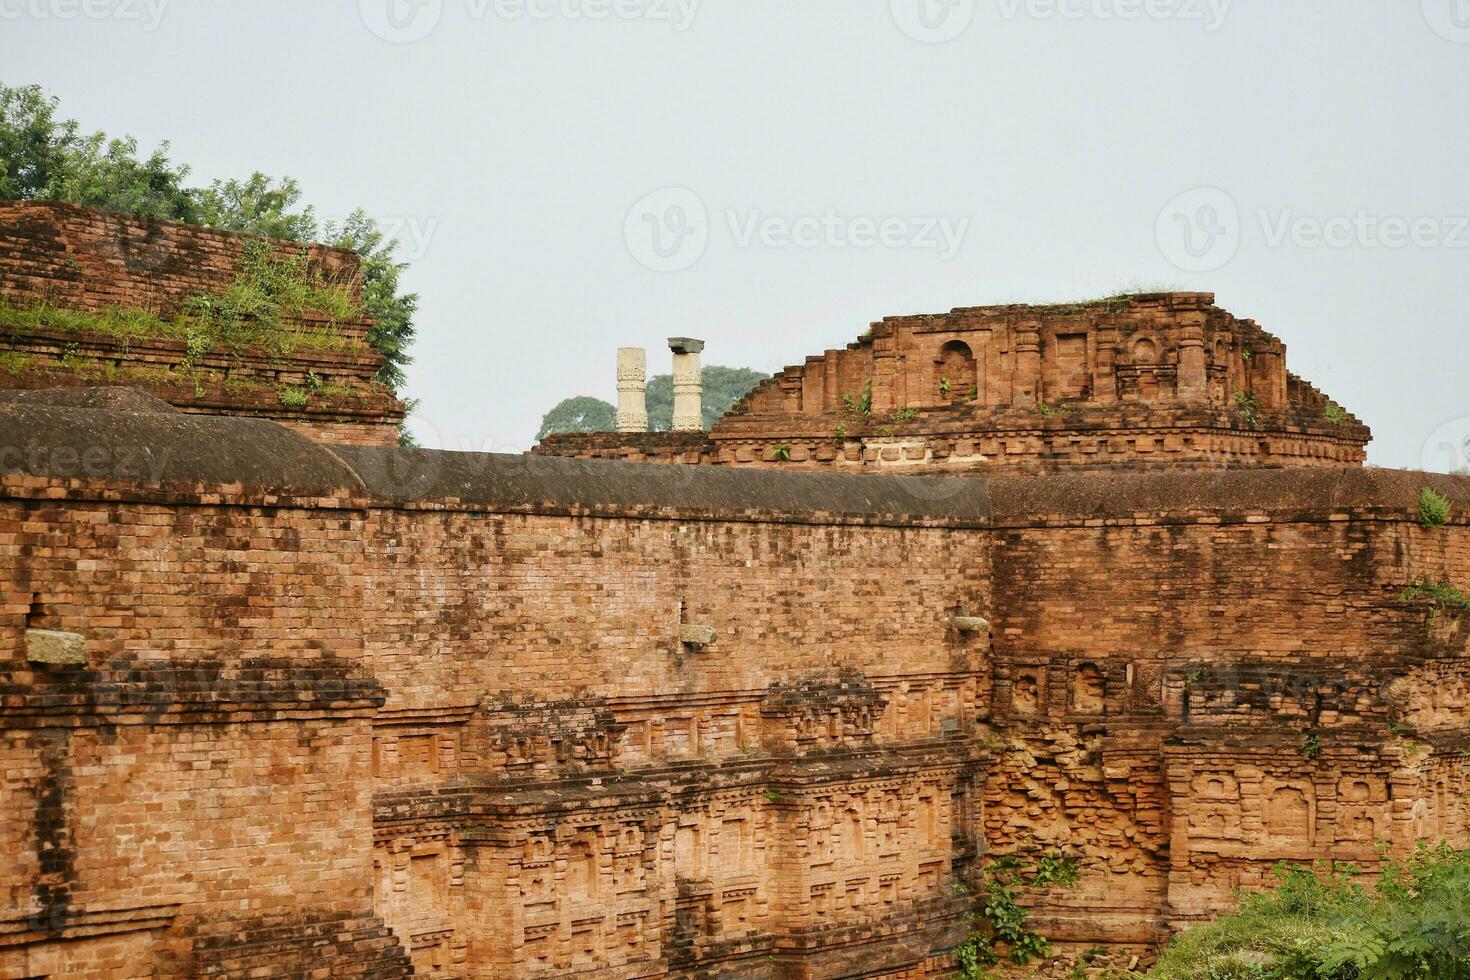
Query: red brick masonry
84	259
1159	381
352	711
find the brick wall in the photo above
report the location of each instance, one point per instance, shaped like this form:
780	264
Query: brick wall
1163	381
83	259
468	713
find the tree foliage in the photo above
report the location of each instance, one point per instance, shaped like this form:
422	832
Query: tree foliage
723	387
46	158
580	414
1324	923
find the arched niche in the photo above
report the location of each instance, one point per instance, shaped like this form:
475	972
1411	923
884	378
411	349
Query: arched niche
1088	690
956	378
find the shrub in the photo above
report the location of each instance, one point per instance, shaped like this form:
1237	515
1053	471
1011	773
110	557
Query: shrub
1003	920
1323	923
1434	508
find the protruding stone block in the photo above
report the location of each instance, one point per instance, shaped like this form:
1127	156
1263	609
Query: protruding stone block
972	624
55	648
698	637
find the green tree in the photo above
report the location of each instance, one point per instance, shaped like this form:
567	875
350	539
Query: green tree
98	172
723	387
580	414
393	309
33	144
258	205
43	158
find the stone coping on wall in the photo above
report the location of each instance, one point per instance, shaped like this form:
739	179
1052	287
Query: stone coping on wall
1324	493
563	485
44	437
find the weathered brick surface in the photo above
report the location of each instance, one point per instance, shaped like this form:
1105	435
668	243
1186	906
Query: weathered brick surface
1162	381
84	259
375	709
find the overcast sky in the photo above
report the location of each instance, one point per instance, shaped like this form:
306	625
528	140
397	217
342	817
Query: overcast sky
571	176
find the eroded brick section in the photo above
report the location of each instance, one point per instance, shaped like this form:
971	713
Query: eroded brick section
436	712
83	259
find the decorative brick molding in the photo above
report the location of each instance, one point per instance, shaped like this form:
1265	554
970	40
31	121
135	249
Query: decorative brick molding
1162	381
352	709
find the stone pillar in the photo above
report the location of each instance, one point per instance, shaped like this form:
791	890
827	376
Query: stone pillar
632	389
1105	380
1026	381
1191	382
688	384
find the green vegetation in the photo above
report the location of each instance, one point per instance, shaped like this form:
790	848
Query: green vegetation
1312	747
1335	413
782	453
581	414
1115	303
46	158
1001	925
1446	597
1048	411
292	396
858	409
1323	923
1249	408
270	292
723	387
1434	508
904	415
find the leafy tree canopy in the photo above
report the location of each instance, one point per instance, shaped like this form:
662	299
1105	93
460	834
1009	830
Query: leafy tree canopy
49	159
580	414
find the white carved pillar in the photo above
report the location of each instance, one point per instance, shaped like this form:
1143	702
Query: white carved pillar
688	384
632	389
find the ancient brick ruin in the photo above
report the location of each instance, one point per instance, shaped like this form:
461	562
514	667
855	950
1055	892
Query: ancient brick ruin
80	259
1142	382
276	708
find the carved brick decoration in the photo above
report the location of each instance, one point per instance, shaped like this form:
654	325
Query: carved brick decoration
83	259
270	708
1160	381
372	712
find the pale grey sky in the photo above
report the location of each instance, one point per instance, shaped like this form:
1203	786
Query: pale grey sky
814	165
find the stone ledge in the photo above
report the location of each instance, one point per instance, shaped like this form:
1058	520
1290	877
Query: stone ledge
55	648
